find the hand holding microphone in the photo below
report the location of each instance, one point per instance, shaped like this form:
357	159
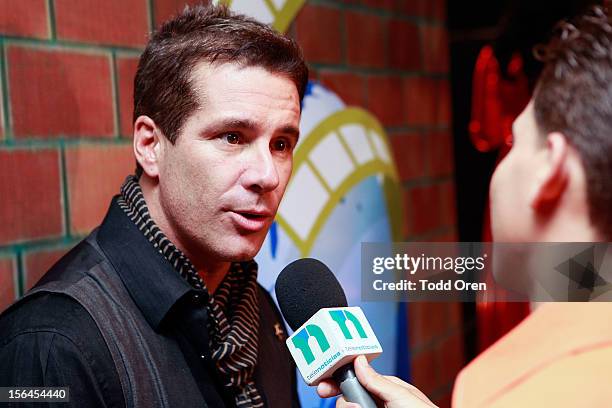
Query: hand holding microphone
329	335
390	391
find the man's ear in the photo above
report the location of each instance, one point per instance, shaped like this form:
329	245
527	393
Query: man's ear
147	145
554	177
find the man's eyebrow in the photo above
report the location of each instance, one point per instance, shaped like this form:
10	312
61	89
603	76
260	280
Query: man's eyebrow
227	124
291	130
234	124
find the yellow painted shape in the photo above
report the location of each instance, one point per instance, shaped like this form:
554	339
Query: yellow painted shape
283	16
391	186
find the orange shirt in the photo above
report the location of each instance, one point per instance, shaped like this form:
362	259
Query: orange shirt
559	356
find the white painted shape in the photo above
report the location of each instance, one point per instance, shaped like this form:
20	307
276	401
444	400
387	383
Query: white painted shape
331	160
254	8
317	105
380	146
304	199
279	4
357	140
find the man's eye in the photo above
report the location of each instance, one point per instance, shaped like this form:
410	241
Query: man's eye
231	138
281	145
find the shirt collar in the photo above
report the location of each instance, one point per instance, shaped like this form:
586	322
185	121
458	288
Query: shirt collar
150	279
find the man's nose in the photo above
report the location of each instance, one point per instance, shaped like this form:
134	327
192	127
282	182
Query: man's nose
261	174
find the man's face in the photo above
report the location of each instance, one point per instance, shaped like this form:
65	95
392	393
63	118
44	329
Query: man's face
514	183
222	182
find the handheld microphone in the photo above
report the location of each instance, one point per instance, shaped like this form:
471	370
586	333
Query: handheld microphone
328	334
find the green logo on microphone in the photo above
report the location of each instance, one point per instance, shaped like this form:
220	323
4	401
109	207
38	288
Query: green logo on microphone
300	341
341	317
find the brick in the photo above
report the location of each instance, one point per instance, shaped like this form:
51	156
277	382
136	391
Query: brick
365	40
408	151
95	174
165	9
438	10
385	99
446	236
39	262
126	70
420	100
423	370
444	400
444	112
440	154
380	4
426	208
451	358
404	45
2	126
350	87
407	207
7	282
24	18
414	8
455	316
77	97
30	195
433	9
313	74
323	44
448	205
114	22
407	218
428	322
435	48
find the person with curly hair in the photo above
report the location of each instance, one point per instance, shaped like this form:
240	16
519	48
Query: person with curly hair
555	185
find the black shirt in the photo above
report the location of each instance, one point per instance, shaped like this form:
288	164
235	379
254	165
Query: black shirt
51	340
57	349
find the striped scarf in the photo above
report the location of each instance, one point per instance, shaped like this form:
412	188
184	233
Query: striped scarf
234	308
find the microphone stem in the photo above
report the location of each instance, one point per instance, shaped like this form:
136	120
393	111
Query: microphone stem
352	390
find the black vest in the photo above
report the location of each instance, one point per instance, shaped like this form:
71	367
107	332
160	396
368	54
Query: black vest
152	368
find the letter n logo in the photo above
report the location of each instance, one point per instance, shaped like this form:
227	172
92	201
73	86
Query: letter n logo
300	341
341	316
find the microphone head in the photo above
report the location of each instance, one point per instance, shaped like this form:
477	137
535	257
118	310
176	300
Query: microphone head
305	286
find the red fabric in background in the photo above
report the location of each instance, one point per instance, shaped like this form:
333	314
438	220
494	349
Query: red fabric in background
496	101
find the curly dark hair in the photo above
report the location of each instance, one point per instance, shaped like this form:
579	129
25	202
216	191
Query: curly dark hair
574	97
163	88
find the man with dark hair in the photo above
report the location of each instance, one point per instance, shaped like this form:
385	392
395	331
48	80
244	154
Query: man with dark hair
556	182
160	305
554	185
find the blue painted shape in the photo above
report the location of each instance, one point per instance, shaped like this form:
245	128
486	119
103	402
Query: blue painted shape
328	402
273	239
402	367
307	92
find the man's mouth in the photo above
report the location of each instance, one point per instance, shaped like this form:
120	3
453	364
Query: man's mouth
252	216
251	220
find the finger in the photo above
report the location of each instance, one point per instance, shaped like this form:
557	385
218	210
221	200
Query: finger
408	386
372	381
397	381
341	403
379	385
327	389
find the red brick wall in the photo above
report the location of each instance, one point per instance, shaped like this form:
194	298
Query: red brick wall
66	71
391	57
